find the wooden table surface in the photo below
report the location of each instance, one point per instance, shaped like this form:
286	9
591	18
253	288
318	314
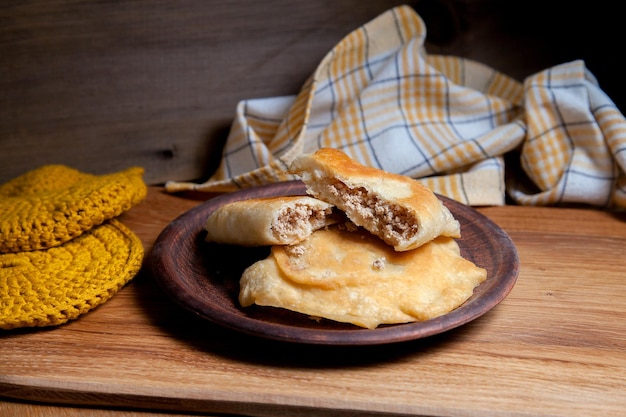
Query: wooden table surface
556	346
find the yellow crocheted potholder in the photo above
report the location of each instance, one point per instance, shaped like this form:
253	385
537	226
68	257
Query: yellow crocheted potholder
49	287
53	204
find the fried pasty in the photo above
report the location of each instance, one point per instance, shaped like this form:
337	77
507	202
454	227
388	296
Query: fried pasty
396	208
268	221
361	280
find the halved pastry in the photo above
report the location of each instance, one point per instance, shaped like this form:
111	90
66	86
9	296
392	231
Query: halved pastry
268	221
361	279
396	208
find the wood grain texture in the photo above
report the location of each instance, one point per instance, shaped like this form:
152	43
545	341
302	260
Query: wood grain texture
103	85
556	346
21	409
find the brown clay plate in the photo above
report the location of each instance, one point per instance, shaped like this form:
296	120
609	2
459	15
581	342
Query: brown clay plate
204	278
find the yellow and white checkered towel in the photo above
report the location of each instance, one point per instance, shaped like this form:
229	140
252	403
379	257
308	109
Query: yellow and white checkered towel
446	121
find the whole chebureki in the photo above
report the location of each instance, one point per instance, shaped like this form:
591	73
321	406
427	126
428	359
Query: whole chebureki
395	260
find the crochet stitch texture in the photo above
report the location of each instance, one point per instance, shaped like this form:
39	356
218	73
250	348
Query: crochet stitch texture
50	205
50	287
62	251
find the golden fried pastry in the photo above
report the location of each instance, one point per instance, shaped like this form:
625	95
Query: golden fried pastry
268	221
354	277
396	208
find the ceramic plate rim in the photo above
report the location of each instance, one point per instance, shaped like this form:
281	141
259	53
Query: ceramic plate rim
191	223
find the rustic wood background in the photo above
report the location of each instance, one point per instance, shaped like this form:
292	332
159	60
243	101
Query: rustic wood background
104	85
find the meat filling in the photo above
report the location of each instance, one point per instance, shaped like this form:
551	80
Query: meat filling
394	222
299	221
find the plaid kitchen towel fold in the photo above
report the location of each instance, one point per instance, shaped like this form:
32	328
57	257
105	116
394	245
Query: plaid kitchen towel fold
446	121
575	147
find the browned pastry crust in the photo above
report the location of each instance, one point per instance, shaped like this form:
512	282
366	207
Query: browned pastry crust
354	277
268	221
398	209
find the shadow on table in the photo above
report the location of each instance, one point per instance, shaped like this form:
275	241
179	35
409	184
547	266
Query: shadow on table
204	335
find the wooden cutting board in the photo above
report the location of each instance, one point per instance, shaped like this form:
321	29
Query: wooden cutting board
555	346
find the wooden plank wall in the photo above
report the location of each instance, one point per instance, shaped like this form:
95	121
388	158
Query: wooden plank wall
103	85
